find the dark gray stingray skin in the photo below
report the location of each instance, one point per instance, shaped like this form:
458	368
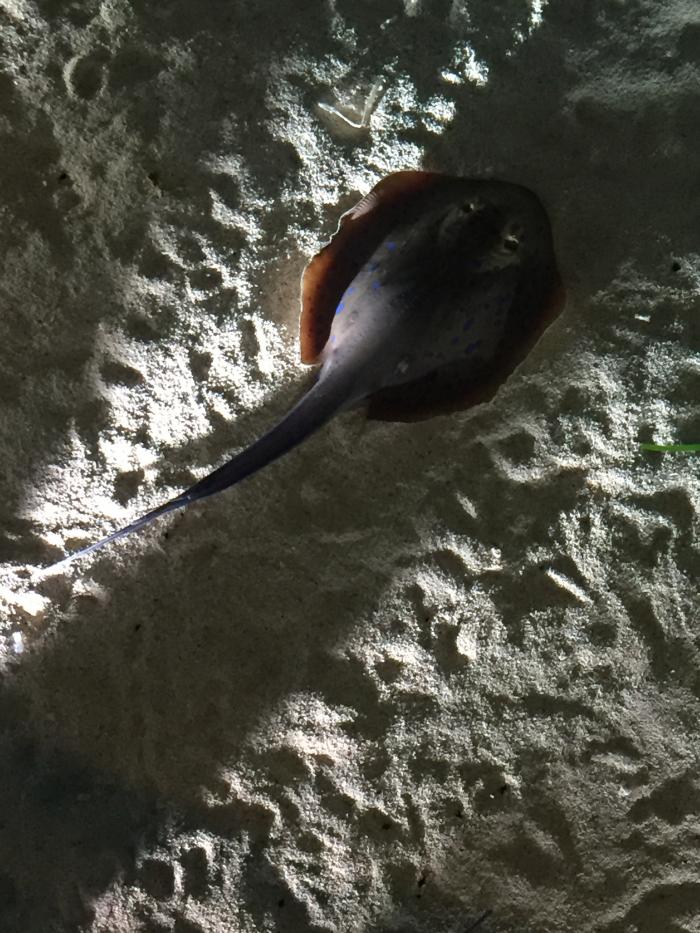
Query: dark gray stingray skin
432	293
438	293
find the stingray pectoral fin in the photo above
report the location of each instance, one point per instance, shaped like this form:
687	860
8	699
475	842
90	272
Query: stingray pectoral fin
459	386
360	231
443	391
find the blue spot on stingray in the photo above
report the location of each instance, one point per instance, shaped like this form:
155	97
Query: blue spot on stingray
375	285
472	346
373	267
349	291
339	308
455	340
391	245
468	323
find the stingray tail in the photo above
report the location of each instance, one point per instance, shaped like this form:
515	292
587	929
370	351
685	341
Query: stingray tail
321	402
141	522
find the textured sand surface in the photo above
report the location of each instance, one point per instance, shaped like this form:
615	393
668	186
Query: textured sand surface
409	673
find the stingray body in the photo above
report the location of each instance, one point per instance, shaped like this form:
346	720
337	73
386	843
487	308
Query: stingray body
430	293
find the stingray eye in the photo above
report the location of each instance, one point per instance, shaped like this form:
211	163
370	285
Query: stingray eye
511	243
468	207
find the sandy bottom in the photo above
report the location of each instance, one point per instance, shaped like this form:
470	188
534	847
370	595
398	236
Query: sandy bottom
410	673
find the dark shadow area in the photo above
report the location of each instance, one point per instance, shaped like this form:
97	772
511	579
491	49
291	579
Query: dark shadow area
65	832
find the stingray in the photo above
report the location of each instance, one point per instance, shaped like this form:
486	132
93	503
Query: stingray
430	293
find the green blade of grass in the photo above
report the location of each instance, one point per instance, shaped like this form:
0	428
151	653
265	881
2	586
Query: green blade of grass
672	448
